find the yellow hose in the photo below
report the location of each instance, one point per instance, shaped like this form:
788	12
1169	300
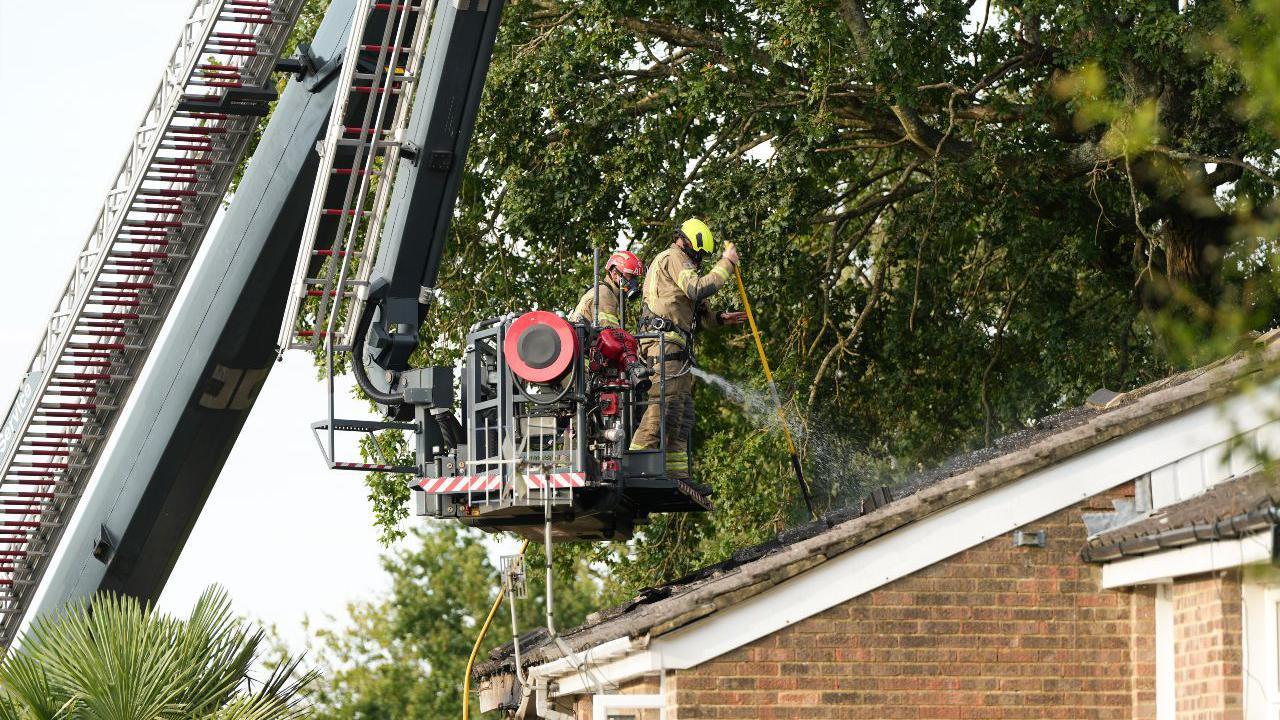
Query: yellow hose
475	649
773	390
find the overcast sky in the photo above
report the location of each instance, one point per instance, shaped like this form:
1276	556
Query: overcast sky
286	536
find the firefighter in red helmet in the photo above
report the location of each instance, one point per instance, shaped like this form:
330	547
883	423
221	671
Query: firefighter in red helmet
623	274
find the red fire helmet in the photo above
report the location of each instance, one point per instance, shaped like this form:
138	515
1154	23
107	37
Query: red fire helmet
627	264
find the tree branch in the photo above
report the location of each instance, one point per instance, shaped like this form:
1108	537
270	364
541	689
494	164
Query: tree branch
1196	157
923	136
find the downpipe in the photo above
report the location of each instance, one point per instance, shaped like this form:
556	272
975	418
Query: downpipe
542	703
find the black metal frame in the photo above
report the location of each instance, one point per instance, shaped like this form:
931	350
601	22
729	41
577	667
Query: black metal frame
501	420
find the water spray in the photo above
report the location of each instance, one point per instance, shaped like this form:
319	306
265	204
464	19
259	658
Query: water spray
773	392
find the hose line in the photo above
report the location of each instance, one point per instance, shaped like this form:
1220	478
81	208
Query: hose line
773	391
357	362
475	649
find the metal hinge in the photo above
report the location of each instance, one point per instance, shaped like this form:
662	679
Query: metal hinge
104	547
410	151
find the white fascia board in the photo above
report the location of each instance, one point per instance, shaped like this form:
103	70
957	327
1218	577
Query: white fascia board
938	536
608	664
609	674
604	652
1191	560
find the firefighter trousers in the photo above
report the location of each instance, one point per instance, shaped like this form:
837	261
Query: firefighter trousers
677	392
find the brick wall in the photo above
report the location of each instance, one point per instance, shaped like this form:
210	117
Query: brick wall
993	632
1142	661
1208	659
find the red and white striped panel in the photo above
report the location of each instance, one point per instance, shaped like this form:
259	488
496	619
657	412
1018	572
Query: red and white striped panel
461	483
555	481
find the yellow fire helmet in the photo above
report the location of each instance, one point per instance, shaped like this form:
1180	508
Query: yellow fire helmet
699	235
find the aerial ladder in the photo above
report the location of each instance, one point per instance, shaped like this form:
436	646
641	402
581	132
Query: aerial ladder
215	88
355	180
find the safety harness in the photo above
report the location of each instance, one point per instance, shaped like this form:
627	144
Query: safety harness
649	322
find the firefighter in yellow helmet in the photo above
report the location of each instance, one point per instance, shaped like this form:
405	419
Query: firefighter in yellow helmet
675	304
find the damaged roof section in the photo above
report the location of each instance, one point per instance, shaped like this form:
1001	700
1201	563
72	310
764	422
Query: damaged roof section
1230	510
656	611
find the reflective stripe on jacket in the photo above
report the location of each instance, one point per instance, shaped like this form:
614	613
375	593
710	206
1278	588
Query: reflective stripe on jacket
610	302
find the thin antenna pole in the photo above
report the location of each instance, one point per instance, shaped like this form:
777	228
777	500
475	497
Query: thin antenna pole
546	539
328	370
595	263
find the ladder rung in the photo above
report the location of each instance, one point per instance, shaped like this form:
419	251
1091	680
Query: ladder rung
393	77
127	285
322	281
143	234
201	115
196	130
169	202
246	20
218	71
153	223
236	53
182	162
68	436
47	466
246	6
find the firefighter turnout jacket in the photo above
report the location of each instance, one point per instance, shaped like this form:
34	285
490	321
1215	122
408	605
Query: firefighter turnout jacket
673	292
610	305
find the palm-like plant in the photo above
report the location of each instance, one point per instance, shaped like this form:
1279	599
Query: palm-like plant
116	659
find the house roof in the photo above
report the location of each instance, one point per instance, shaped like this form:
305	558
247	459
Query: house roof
1232	509
656	611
